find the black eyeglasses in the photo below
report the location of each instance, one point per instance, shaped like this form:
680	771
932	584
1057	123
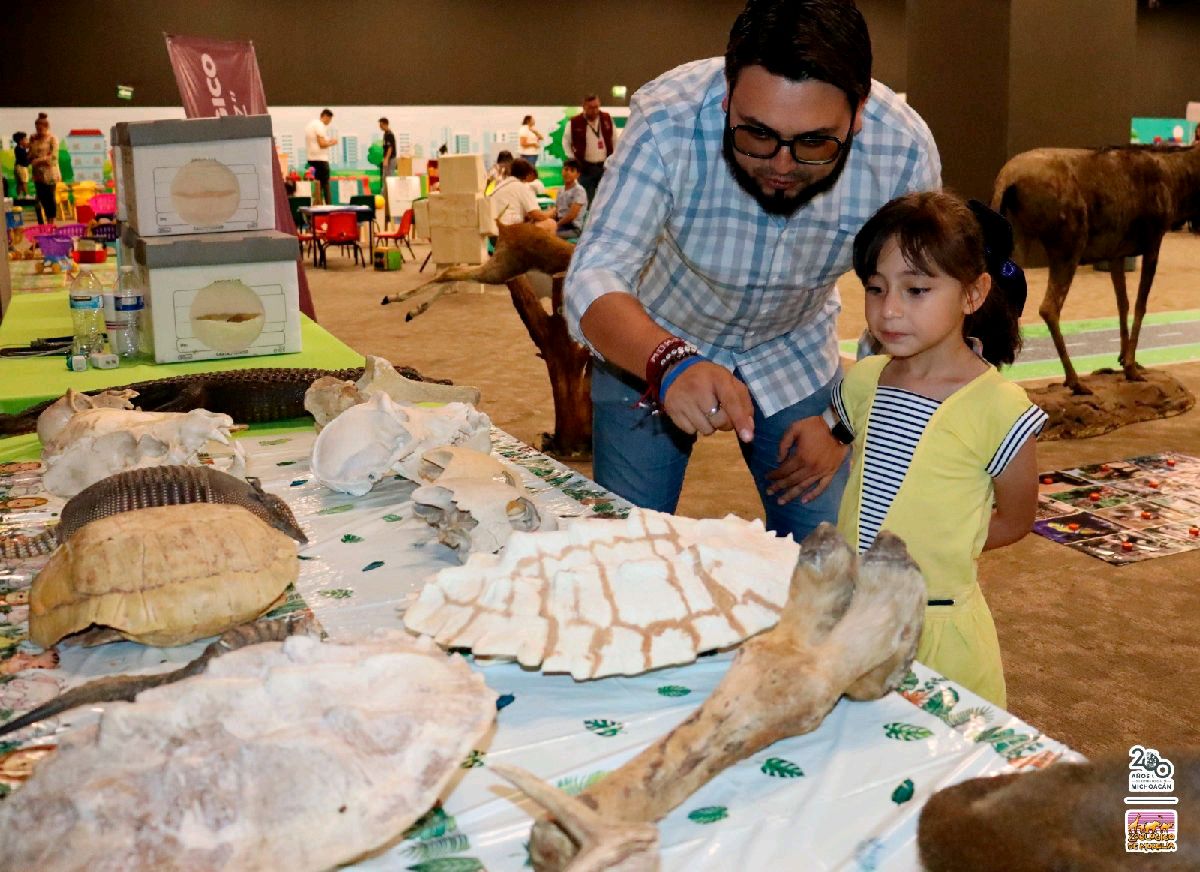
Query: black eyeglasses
763	143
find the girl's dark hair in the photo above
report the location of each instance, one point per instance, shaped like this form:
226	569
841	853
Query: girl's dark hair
526	119
18	136
938	233
822	40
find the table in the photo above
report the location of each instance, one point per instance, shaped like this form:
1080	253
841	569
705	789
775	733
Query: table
362	212
29	380
846	795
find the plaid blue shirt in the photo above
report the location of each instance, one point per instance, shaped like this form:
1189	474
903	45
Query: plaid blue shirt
755	292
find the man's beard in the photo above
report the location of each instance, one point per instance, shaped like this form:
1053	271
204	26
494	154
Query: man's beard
781	202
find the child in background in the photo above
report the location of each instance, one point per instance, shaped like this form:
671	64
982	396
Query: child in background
944	447
21	162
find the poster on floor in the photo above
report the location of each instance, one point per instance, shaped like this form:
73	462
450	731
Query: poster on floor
1123	511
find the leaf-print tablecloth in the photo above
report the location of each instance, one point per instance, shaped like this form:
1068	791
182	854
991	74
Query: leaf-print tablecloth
846	796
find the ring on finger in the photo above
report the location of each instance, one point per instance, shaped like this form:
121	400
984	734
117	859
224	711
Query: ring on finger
713	411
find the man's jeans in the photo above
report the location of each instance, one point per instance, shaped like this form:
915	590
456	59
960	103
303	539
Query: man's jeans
643	457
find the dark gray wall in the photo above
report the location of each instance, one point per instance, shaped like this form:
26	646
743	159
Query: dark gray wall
1167	74
1071	79
888	24
387	52
958	82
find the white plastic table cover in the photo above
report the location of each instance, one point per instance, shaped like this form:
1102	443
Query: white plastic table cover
846	796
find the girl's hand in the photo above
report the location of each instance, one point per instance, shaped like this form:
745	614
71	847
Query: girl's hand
708	397
808	459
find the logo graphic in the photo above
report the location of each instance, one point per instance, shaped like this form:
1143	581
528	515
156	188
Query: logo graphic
1151	831
1150	772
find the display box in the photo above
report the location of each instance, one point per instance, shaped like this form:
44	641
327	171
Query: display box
218	295
457	245
461	174
199	175
458	210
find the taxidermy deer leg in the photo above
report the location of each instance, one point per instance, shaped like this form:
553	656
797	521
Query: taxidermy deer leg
1061	275
850	626
603	844
1116	271
1149	267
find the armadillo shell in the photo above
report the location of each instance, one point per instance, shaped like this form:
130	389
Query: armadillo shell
171	486
162	576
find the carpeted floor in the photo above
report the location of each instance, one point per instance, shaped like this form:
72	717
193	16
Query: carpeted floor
1100	657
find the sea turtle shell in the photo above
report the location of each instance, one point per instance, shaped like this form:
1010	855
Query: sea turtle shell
162	576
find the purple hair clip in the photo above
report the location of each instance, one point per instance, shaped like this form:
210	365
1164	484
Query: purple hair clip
1008	269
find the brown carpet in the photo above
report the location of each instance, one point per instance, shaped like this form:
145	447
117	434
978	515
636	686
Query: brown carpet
1099	657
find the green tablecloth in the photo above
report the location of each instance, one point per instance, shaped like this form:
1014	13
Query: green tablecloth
28	380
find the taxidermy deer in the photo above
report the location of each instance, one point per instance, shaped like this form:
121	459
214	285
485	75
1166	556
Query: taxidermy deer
1085	205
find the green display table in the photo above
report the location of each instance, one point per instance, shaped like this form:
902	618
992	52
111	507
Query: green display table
25	381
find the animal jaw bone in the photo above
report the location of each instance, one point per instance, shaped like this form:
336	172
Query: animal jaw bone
849	626
98	442
52	420
362	444
603	844
298	755
328	396
612	597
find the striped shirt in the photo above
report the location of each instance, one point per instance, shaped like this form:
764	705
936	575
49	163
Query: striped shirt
897	421
755	292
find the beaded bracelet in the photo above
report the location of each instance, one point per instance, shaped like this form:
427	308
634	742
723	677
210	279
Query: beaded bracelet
666	354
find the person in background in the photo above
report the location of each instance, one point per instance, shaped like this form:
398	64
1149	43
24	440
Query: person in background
388	166
21	161
500	170
944	447
704	281
43	157
317	142
530	140
590	138
513	201
571	203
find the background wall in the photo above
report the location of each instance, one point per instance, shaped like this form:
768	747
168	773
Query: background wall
388	52
1167	73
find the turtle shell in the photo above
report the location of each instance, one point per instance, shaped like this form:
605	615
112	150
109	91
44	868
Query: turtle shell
162	576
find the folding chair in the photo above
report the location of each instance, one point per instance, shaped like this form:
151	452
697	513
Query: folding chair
401	233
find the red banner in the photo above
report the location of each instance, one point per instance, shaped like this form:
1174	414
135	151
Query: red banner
220	77
216	77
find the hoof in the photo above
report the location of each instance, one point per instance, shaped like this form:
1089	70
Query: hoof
384	301
1078	389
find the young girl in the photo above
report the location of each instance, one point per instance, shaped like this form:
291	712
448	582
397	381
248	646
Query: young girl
944	447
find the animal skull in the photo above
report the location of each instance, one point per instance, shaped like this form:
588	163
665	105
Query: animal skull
55	416
98	442
362	444
328	397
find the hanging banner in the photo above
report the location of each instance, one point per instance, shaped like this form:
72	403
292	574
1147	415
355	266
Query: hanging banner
216	77
220	77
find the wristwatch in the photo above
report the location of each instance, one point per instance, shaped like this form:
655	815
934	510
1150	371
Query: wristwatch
840	431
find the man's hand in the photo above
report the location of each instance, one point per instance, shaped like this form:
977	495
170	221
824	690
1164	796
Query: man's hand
707	397
808	458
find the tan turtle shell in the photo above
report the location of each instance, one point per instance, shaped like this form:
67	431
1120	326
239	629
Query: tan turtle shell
162	576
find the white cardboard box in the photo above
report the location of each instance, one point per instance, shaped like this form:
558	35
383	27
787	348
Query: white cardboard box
457	245
221	295
199	175
461	174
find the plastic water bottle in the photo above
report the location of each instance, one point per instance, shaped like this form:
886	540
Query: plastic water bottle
87	314
123	316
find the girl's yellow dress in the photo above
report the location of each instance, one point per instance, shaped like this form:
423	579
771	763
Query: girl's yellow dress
942	511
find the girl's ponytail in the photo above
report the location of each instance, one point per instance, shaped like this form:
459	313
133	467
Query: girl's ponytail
996	323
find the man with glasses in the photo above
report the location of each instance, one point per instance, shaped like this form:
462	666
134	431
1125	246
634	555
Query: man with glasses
704	281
